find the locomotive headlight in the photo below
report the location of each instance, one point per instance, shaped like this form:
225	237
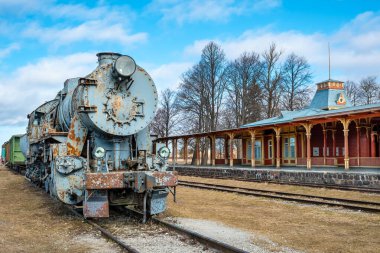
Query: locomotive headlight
164	152
125	66
99	152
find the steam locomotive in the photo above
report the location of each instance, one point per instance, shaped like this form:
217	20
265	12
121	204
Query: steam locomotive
91	144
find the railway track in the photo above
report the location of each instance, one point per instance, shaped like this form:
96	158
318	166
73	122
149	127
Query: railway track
302	198
202	239
343	188
106	233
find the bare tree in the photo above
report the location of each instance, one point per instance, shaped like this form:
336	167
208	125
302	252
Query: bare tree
166	118
352	92
271	81
213	62
244	93
201	92
296	78
368	90
191	98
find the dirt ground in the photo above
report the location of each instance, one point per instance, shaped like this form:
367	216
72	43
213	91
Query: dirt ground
31	221
303	227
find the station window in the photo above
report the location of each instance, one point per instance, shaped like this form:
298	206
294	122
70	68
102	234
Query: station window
286	147
327	153
257	150
292	147
270	149
289	147
337	151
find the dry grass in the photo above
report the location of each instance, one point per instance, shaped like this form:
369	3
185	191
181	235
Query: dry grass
304	227
325	192
30	221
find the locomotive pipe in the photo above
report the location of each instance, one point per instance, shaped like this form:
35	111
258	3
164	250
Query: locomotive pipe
116	150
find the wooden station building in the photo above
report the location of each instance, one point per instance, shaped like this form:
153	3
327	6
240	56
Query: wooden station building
329	132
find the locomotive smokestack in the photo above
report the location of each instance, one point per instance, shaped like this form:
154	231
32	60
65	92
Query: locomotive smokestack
107	57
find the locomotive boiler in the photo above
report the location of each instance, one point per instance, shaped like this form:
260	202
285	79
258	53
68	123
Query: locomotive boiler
90	146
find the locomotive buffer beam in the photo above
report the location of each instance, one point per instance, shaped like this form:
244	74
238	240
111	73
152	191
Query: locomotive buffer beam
155	183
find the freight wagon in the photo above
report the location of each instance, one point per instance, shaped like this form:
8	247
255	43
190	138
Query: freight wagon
12	155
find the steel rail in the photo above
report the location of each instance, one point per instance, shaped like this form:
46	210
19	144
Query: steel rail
215	244
343	188
311	199
205	240
352	201
105	232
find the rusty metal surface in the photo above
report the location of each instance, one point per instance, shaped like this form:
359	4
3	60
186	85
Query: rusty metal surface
96	204
160	179
112	180
99	110
131	103
76	137
58	149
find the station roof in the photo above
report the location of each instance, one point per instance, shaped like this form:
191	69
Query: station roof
329	101
330	95
310	113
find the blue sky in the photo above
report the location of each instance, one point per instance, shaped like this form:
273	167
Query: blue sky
44	42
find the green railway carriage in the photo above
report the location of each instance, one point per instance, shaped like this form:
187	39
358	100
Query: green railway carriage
14	158
3	152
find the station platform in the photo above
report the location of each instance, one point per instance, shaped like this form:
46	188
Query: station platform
360	177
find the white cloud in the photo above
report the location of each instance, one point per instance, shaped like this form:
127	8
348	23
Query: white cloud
260	5
93	31
7	131
31	85
72	23
355	48
9	49
212	10
168	75
119	13
18	7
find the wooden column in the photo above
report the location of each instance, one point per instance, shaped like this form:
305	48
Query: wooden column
174	142
302	145
296	145
213	150
253	139
334	143
358	142
346	150
185	144
173	151
197	151
324	146
226	150
373	145
308	151
231	135
308	128
368	129
346	123
278	145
